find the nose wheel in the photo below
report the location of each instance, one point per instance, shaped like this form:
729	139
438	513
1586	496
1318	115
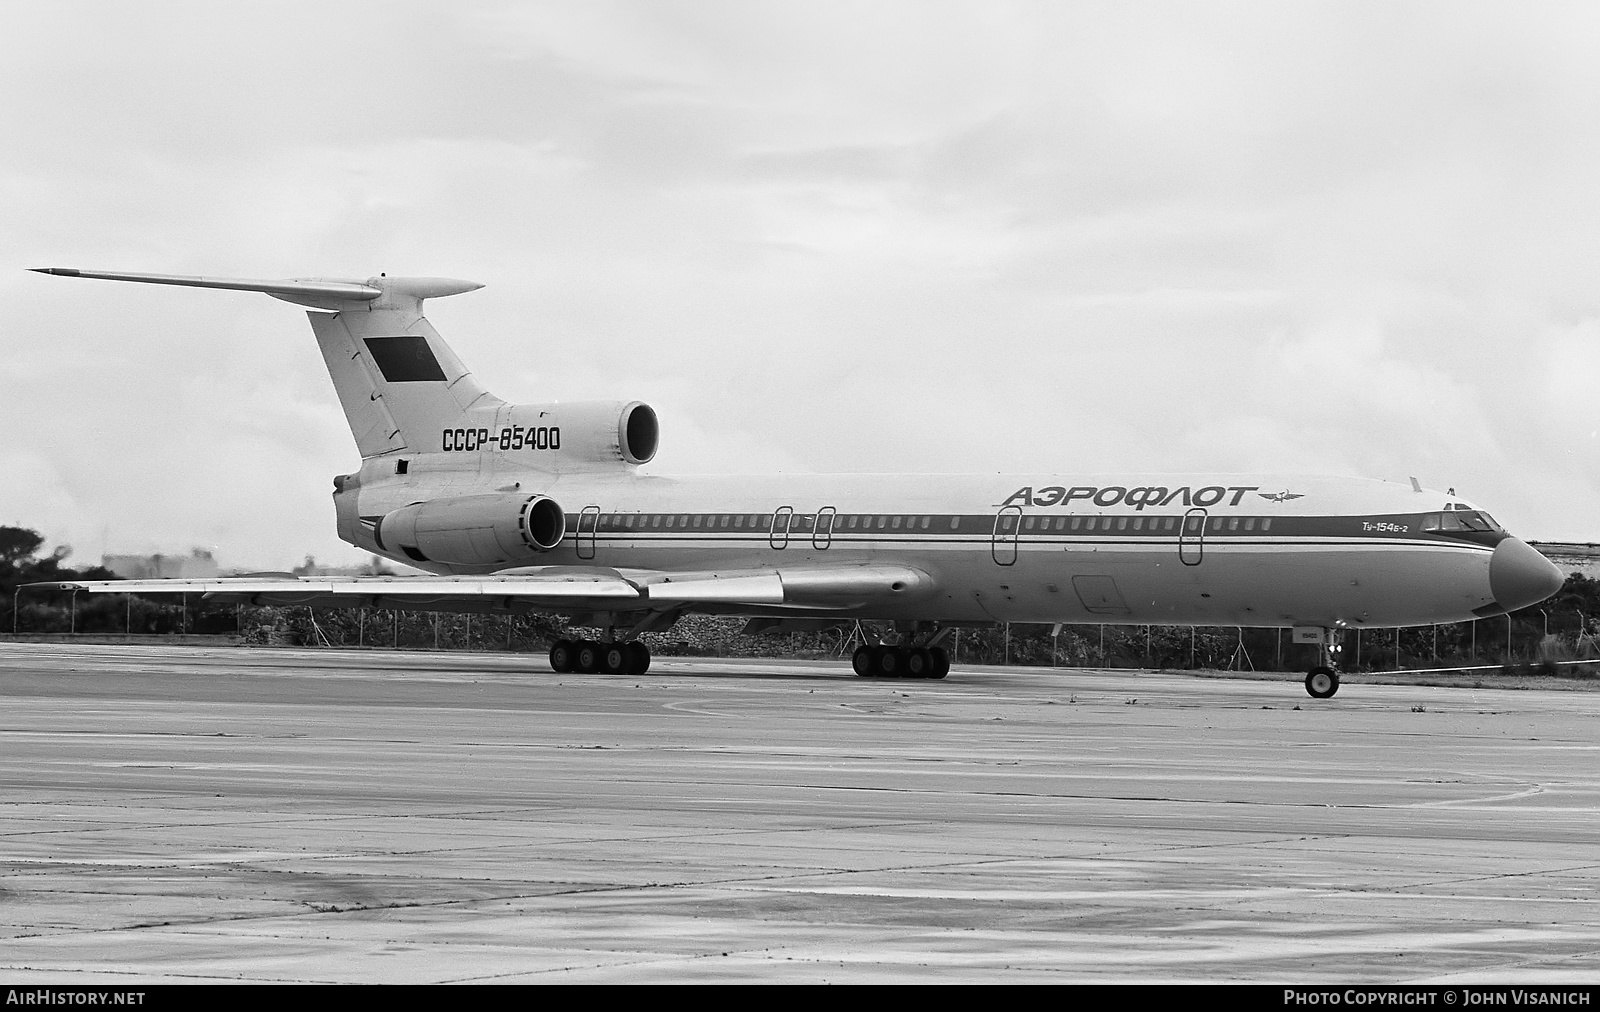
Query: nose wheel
1322	682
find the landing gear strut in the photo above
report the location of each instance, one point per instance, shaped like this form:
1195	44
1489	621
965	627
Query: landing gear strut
588	657
900	662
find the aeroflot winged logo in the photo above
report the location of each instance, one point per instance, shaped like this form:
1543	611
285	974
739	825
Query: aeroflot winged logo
1138	498
1283	496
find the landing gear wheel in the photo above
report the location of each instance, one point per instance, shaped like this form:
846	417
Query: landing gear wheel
1322	683
861	662
614	658
589	657
941	663
561	656
919	663
890	662
638	658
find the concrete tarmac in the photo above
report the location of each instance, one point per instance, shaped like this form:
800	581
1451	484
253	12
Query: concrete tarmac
196	814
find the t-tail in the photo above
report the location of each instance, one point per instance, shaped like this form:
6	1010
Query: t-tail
405	393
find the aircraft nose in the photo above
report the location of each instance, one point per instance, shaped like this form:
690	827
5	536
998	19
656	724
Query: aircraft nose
1520	576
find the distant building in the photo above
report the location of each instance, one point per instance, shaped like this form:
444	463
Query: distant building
377	567
1572	557
197	565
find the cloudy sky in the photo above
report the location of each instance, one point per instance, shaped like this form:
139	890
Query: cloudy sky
1348	238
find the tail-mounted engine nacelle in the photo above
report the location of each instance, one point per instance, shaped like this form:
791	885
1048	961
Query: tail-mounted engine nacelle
599	432
474	530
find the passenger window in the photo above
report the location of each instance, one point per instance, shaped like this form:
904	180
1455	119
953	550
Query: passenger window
1138	523
955	522
1233	523
1076	521
1027	524
926	521
1216	523
1250	523
1061	523
896	523
1122	523
738	521
669	520
883	522
697	520
1266	523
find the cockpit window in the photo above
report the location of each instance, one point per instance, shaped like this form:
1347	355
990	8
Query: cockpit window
1460	520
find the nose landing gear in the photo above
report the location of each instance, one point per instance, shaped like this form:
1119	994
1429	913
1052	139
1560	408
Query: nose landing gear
1322	681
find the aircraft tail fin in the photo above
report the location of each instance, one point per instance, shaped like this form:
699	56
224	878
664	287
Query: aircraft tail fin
398	382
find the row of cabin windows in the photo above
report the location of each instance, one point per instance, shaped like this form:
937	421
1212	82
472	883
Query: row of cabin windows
1135	523
844	523
760	522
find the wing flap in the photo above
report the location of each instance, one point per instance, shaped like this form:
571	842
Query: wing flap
567	586
829	588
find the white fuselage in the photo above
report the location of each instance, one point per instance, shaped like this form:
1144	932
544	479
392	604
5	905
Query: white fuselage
1248	550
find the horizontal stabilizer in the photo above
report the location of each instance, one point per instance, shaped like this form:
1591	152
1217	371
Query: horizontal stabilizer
324	288
332	294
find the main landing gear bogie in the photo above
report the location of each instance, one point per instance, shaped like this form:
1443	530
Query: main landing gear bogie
900	662
588	657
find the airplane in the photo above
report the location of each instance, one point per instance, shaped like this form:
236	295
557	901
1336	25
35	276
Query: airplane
514	508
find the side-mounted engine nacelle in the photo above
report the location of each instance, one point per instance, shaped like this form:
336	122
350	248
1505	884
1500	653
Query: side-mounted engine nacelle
474	530
594	432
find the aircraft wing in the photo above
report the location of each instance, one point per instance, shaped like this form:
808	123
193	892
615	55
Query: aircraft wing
803	588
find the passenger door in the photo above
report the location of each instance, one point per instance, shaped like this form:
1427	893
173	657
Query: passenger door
588	524
1003	543
779	537
1192	538
822	534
